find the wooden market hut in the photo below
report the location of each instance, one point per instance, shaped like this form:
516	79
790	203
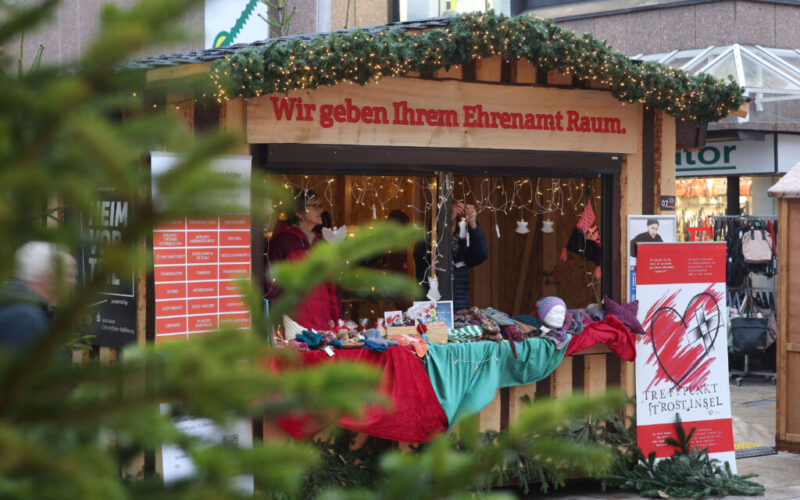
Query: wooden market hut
474	95
787	190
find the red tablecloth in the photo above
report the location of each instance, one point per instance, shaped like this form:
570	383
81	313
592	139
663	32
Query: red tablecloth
416	414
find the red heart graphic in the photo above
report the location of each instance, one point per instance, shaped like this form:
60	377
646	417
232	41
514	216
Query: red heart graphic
681	342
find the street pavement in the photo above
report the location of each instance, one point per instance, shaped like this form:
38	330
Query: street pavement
753	409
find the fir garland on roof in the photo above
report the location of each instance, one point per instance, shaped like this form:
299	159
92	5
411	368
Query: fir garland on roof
360	57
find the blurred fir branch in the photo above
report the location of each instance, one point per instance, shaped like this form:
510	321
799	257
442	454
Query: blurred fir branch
689	473
69	132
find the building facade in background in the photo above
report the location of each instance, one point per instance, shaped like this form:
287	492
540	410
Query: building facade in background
756	43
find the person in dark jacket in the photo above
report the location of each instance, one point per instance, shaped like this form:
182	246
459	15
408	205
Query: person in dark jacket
649	236
292	240
44	273
465	256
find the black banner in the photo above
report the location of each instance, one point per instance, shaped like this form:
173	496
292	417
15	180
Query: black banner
112	318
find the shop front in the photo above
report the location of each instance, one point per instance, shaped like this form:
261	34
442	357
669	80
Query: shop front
552	152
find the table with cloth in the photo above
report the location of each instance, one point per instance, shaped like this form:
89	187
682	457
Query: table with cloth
454	380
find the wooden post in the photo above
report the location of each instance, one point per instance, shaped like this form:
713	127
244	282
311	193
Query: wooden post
561	379
594	374
489	417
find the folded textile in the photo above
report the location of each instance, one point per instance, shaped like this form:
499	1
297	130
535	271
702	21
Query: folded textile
469	333
595	313
311	339
415	415
300	346
374	341
498	317
575	326
610	332
466	376
528	319
474	316
526	329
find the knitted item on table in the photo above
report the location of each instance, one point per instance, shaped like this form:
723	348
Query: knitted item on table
374	341
300	346
525	328
595	314
498	317
469	333
311	339
474	316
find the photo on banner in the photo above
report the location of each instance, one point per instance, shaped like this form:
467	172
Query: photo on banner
682	359
647	229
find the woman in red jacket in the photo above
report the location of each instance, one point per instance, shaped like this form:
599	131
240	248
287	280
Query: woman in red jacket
292	240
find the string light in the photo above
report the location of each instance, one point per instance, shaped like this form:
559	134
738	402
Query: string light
363	57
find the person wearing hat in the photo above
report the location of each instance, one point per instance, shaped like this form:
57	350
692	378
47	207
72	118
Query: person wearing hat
649	236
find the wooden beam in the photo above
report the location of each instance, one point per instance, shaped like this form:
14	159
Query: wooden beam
523	72
488	69
561	379
557	78
594	374
782	303
454	73
233	119
108	355
489	417
182	72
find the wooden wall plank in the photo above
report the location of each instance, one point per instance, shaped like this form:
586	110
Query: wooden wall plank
454	73
594	374
108	355
561	79
561	379
667	140
515	403
489	417
523	72
627	382
782	299
233	119
488	69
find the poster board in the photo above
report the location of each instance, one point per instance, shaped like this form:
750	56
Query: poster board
639	229
197	261
682	360
112	317
177	465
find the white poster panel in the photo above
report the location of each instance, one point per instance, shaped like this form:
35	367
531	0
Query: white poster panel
682	360
647	229
229	22
177	465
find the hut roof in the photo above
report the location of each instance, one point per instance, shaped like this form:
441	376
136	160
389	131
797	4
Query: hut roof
788	186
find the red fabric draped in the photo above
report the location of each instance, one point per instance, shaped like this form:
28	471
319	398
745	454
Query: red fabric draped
610	332
416	414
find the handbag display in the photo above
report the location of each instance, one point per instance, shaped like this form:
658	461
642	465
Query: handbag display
757	246
749	335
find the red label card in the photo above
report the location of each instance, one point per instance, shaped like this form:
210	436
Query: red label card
169	239
229	287
202	289
171	225
201	238
234	254
181	337
169	273
170	291
204	272
238	320
232	304
233	271
166	256
171	308
235	222
171	325
234	238
202	255
203	224
200	323
203	306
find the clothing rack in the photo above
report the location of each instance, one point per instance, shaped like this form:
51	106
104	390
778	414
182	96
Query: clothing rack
752	217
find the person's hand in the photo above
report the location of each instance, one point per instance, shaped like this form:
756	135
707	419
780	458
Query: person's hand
471	214
456	212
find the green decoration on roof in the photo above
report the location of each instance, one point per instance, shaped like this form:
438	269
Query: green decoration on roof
361	57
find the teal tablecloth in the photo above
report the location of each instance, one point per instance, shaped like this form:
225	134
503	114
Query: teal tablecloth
466	376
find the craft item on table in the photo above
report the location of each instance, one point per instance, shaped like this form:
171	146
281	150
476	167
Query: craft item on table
610	332
334	235
522	227
433	289
595	313
627	314
423	312
513	335
291	328
469	333
547	226
393	318
498	317
528	319
374	342
300	346
474	316
526	329
579	318
419	344
467	376
585	239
